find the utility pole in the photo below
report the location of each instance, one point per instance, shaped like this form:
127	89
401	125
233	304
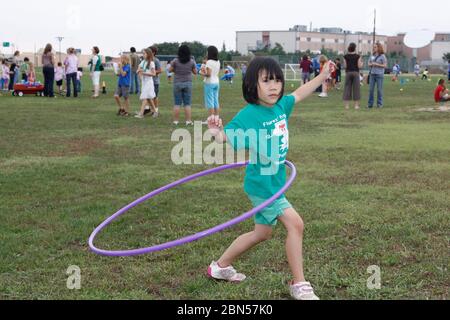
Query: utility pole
60	39
374	25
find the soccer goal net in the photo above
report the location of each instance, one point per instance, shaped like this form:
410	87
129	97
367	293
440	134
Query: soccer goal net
292	72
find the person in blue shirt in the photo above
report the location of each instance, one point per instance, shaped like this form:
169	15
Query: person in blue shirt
448	70
123	86
316	68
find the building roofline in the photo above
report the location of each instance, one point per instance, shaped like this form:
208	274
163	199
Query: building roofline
318	32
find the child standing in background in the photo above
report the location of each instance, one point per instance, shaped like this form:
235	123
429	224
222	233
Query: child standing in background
59	76
79	76
425	74
210	71
169	74
147	71
4	80
123	86
24	69
323	60
338	73
31	73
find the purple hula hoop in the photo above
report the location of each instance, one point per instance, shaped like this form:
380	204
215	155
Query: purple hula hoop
194	237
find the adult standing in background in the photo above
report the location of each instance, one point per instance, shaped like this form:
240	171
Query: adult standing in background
306	67
135	84
96	70
352	89
71	65
17	62
48	68
377	64
183	67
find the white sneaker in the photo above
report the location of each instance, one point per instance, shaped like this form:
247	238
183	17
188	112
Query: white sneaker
303	291
140	116
155	115
227	274
323	95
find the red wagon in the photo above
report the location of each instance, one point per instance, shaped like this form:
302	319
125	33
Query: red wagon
35	88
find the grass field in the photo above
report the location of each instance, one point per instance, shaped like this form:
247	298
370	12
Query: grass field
373	189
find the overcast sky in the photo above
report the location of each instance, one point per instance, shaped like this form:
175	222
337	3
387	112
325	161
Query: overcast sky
113	27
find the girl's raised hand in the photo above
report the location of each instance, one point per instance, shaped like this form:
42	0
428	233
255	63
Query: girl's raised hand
214	124
329	68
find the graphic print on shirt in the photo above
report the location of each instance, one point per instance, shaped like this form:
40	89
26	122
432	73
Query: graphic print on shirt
278	143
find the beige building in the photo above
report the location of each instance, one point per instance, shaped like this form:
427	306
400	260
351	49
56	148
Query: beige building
295	40
432	52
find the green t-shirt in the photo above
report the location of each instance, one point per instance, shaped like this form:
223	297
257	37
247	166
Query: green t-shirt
24	68
264	132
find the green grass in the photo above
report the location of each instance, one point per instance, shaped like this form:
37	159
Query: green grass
373	189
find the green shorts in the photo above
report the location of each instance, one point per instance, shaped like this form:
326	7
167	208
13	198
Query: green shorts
269	216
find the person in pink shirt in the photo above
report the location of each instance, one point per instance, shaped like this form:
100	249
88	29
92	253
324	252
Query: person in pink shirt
59	76
71	64
4	79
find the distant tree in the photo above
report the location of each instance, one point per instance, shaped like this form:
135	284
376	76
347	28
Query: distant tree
167	48
446	56
277	50
330	54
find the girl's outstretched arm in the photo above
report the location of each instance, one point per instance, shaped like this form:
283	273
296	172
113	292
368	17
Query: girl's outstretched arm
306	90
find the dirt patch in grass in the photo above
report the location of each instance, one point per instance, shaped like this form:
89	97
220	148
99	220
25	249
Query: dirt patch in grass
77	146
435	109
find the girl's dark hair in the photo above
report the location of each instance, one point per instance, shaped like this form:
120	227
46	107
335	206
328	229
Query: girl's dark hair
184	54
305	57
441	82
213	53
132	49
254	70
352	47
96	49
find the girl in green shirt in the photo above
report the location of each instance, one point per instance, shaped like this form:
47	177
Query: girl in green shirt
267	112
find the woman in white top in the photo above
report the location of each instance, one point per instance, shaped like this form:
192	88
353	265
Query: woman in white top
96	68
211	74
147	71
